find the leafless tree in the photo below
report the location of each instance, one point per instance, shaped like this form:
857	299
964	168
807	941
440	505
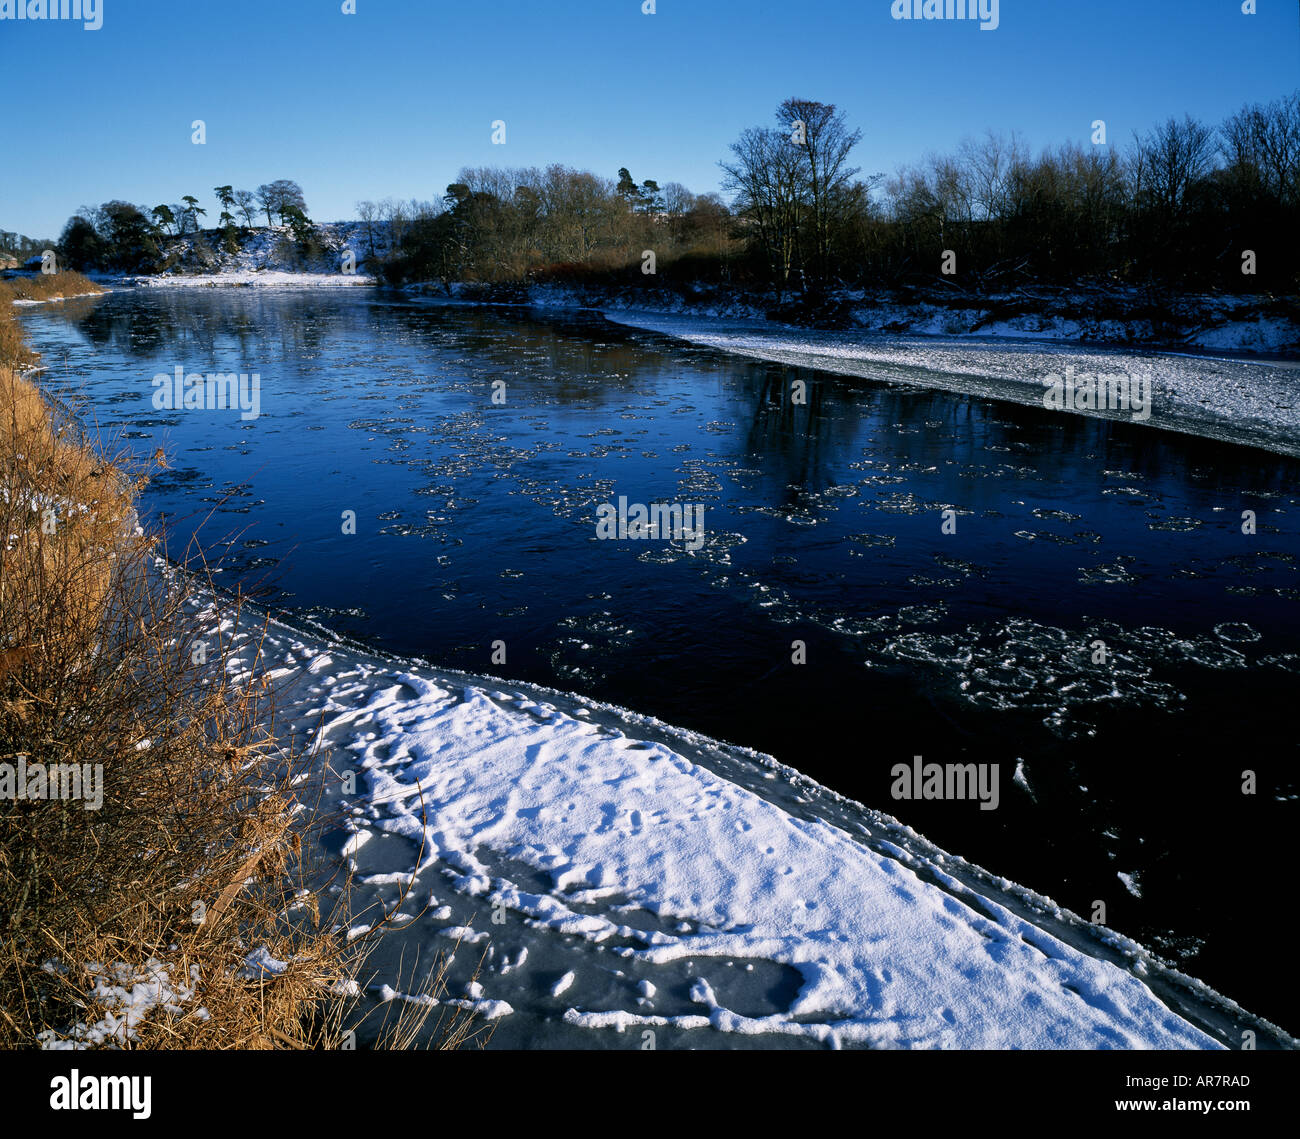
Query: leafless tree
1166	162
825	151
244	203
1261	145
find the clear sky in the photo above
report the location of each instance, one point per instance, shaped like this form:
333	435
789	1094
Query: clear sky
395	99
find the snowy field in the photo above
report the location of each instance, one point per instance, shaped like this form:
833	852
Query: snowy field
619	876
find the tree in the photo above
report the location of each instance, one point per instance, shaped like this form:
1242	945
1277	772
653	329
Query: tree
652	201
163	216
80	246
299	222
793	187
192	212
230	238
275	197
1262	146
769	184
988	168
627	187
268	199
244	203
825	151
368	212
126	235
1168	160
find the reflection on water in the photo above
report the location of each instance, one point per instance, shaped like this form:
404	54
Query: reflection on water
476	523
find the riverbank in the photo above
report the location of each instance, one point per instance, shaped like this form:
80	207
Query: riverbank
127	886
485	844
714	895
1231	397
25	290
250	278
1137	318
1095	314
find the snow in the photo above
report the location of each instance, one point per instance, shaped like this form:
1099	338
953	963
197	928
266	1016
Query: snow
488	1010
261	260
25	302
626	861
126	995
1131	883
262	278
1227	323
563	984
1241	401
260	965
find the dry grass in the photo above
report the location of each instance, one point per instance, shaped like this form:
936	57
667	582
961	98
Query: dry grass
41	287
47	287
194	856
186	859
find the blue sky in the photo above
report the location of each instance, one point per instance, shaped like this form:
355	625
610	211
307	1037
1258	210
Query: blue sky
395	99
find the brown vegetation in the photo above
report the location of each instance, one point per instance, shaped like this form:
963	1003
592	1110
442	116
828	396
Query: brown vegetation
178	848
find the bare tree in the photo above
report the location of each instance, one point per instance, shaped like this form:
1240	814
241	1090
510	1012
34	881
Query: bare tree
827	142
244	203
989	164
1169	160
768	180
1261	144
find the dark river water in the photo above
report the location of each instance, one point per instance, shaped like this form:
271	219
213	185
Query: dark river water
1098	624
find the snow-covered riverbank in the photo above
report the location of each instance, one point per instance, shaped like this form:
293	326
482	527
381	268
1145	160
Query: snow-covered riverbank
620	877
24	302
268	258
252	278
1246	325
1233	399
1106	313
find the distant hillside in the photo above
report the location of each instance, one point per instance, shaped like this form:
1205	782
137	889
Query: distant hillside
273	249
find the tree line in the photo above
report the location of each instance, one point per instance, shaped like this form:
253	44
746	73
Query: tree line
120	236
558	223
1183	205
20	246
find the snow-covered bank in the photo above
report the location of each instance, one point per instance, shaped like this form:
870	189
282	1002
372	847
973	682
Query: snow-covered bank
1248	325
258	278
619	874
1251	402
26	301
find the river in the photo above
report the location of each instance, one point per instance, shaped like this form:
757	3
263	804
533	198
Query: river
1092	618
